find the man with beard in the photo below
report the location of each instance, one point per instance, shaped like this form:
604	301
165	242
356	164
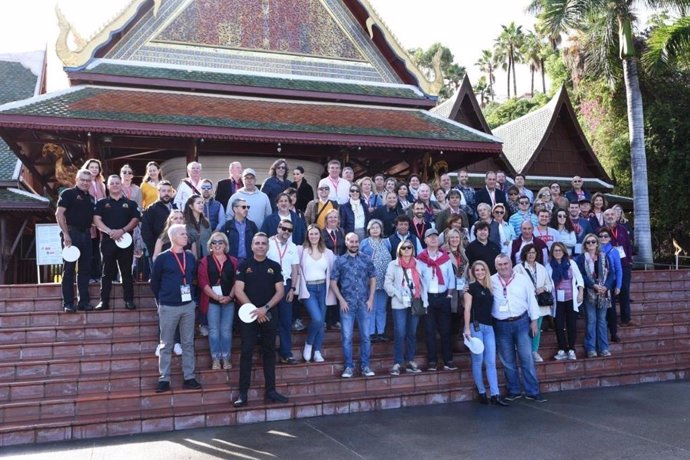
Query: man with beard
153	219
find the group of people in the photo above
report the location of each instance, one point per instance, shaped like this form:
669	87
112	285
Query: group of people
490	263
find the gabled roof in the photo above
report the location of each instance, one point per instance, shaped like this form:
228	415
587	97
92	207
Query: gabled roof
550	141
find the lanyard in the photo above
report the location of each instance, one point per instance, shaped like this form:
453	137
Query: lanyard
614	232
281	254
182	265
128	192
220	269
334	237
335	184
416	229
505	285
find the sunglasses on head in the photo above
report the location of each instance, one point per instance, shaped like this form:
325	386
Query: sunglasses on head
286	229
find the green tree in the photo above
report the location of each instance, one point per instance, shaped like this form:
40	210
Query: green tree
667	45
453	73
507	49
513	108
487	65
484	91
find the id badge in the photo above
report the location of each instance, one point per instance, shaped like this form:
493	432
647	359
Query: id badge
406	299
459	284
578	248
560	295
217	290
621	251
503	306
186	293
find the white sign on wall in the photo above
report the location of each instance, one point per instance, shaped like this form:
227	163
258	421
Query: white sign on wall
48	244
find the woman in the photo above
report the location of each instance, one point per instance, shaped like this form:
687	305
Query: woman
334	237
512	201
216	276
129	190
440	195
600	279
379	249
404	196
413	184
390	184
316	261
163	242
454	222
372	200
149	184
453	245
542	283
478	302
505	230
544	195
354	215
97	191
569	287
566	232
555	190
305	192
404	283
198	227
599	205
277	181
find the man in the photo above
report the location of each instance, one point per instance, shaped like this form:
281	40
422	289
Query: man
614	260
419	222
581	226
259	205
527	237
543	232
259	282
228	187
190	185
282	250
116	215
585	205
402	233
439	279
524	191
620	240
468	194
515	311
577	193
524	213
353	281
484	212
387	214
348	174
445	183
283	212
318	209
339	188
154	217
490	194
482	248
431	207
240	230
454	208
501	183
213	210
74	216
172	276
380	186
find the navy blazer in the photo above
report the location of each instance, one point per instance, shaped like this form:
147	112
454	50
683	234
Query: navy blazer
347	216
234	237
482	196
299	232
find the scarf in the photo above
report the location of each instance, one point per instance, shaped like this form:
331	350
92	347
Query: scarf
435	264
560	271
412	266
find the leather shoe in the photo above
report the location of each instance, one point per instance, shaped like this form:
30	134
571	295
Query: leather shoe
163	386
289	360
85	307
241	401
102	306
69	309
191	384
129	305
615	339
499	401
483	399
274	396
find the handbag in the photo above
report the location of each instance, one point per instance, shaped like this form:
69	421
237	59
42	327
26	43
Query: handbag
417	306
545	299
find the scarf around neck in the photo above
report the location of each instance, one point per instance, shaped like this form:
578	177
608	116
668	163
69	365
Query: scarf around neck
435	264
412	266
560	270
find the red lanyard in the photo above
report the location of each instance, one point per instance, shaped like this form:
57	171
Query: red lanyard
220	268
182	265
335	184
281	254
505	285
416	230
614	232
334	237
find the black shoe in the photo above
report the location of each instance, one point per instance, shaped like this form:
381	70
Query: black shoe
536	398
241	401
431	367
289	360
129	305
163	386
513	396
102	306
383	338
69	309
191	384
84	307
483	399
373	338
274	396
615	339
498	401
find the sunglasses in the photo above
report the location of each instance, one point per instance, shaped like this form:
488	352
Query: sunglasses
590	242
281	167
512	194
523	203
217	242
499	212
604	236
354	191
562	216
324	188
286	229
206	187
406	248
243	206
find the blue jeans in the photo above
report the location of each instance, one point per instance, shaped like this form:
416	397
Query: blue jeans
624	297
285	323
347	322
405	332
316	306
596	337
488	358
512	335
377	318
220	319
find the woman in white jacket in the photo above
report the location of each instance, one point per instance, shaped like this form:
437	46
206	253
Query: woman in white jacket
541	279
403	283
569	287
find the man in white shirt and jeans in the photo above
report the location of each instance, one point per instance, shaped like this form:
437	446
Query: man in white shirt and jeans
515	311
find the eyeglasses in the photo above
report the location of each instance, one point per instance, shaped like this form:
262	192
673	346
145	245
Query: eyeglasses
243	206
354	190
591	242
286	229
206	187
217	242
126	172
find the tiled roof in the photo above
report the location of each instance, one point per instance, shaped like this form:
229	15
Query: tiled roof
15	199
8	162
230	117
446	107
253	80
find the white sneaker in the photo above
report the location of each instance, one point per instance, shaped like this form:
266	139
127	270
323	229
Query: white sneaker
158	349
298	325
177	349
367	372
306	354
560	356
347	373
571	355
203	330
537	357
395	370
318	358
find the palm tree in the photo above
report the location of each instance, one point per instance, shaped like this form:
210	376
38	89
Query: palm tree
484	91
487	65
532	52
667	43
559	16
508	45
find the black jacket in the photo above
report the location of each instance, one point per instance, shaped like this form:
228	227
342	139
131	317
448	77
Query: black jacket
305	193
234	237
153	223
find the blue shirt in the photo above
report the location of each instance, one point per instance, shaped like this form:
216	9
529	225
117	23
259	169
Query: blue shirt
242	245
353	274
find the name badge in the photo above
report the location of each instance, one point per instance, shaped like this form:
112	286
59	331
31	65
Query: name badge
503	306
578	248
217	290
621	251
459	284
186	293
560	295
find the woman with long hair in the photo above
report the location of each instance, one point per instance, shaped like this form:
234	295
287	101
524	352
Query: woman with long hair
315	261
478	302
569	287
544	195
373	200
566	232
304	192
97	191
277	181
334	238
404	196
599	205
198	227
129	190
163	242
149	184
379	250
354	215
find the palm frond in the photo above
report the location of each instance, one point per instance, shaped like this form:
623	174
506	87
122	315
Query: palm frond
666	44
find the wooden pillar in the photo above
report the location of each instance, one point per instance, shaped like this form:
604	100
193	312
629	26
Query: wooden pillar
192	151
5	254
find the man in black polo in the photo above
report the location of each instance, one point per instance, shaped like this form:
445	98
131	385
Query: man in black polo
154	217
260	282
115	216
482	248
74	216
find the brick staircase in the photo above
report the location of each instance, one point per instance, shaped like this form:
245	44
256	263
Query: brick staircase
77	376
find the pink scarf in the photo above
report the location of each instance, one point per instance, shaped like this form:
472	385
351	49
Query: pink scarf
435	264
412	266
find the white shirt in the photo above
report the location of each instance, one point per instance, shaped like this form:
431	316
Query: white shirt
284	254
520	297
340	189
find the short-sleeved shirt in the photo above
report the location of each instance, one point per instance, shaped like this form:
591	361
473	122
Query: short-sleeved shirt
482	303
79	207
353	274
116	214
285	254
259	279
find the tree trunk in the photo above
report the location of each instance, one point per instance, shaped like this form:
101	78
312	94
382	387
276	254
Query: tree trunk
638	160
514	80
532	83
543	77
508	80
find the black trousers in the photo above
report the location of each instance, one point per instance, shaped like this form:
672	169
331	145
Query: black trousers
438	318
114	257
81	239
566	325
250	336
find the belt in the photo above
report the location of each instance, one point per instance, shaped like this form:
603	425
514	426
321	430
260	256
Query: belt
440	294
316	282
513	318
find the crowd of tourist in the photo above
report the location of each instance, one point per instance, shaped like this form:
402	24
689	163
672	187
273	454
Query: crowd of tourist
499	263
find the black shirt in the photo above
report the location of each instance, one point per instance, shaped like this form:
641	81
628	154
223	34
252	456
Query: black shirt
478	251
482	302
116	214
259	279
79	207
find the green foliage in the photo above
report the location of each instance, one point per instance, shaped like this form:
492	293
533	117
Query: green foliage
500	114
558	73
453	73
